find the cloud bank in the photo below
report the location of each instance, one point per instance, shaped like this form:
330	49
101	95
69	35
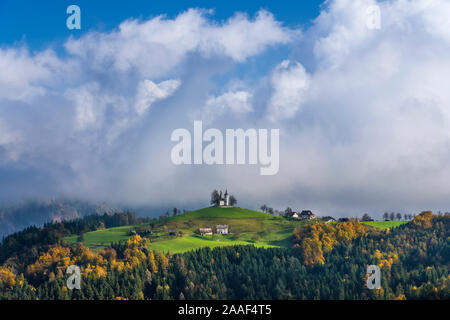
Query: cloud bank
364	114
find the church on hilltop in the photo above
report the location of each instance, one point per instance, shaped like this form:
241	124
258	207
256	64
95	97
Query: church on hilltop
225	200
222	200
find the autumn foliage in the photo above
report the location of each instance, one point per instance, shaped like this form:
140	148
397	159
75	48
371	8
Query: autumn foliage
316	239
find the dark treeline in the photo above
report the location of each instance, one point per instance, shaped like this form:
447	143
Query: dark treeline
414	261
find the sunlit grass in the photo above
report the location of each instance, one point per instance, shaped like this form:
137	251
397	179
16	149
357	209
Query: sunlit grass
384	224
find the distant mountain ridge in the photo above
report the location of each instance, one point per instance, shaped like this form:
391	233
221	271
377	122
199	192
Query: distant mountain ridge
38	212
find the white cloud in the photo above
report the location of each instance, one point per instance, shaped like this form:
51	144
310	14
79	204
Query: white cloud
80	119
8	139
373	128
233	102
23	76
89	105
155	46
150	92
240	38
289	82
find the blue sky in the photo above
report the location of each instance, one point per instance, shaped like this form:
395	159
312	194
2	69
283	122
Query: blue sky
43	22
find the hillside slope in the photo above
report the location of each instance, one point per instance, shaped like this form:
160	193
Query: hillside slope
245	226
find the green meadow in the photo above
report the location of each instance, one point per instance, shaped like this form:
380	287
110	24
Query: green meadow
99	239
384	224
192	242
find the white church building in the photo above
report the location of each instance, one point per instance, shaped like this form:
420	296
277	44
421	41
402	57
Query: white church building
224	201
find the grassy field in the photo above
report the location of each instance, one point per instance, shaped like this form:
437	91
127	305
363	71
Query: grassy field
97	240
246	227
384	224
216	212
187	243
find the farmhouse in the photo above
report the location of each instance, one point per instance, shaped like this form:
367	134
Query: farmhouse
304	215
222	229
307	215
295	215
328	219
205	231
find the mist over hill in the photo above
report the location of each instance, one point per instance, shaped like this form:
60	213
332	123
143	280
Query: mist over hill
17	216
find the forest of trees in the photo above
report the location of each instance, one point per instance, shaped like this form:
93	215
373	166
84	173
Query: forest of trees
325	262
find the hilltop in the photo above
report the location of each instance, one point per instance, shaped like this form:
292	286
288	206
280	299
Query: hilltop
247	227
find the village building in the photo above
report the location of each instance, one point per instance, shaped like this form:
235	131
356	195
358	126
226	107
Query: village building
327	219
172	232
205	231
307	215
222	229
304	215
